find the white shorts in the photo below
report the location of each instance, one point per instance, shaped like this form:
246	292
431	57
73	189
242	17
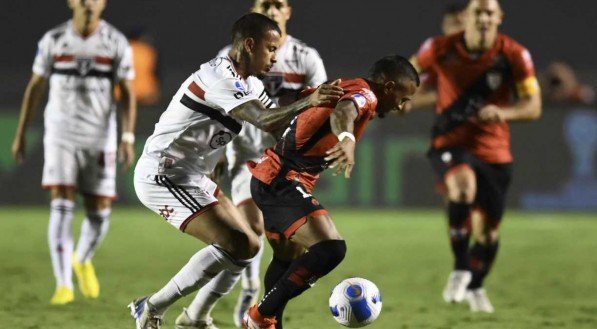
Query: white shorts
177	204
240	184
90	171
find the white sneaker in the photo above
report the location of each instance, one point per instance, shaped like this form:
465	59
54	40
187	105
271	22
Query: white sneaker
183	321
456	286
478	301
144	318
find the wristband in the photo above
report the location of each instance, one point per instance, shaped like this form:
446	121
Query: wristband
346	134
128	137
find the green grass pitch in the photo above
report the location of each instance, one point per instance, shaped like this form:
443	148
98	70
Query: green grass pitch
545	277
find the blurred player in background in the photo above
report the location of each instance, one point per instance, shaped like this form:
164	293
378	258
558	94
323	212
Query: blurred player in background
297	66
82	59
484	80
452	22
284	178
172	177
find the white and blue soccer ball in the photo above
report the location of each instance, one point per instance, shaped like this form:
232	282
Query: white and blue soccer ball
355	302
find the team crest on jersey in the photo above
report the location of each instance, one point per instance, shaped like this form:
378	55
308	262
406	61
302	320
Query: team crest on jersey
273	82
84	65
220	139
494	79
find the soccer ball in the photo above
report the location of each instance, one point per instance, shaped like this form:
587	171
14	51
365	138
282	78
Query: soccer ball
355	302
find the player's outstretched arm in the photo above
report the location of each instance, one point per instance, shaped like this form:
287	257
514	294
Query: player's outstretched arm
33	95
128	113
342	123
526	109
271	120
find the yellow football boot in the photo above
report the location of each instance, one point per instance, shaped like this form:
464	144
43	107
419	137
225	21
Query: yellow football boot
62	295
88	283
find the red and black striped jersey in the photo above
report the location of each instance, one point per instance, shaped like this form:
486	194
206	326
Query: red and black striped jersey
300	153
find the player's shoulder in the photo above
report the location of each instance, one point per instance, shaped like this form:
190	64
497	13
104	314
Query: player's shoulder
110	32
511	46
56	32
300	47
439	44
358	89
218	68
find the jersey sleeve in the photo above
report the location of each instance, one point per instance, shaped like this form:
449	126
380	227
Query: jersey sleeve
426	54
124	69
229	93
315	70
362	99
523	70
42	64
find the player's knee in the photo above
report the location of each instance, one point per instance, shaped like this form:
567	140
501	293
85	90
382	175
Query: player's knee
331	252
243	245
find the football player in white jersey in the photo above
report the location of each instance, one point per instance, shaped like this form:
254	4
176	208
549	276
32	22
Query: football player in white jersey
172	175
82	59
297	66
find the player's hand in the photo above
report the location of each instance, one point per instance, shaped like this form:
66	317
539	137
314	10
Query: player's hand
342	157
126	155
491	114
326	93
18	148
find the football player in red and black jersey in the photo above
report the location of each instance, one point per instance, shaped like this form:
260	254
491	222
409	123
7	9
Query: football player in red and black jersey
283	180
485	79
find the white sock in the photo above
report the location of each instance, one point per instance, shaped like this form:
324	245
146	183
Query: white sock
206	264
60	240
250	276
208	295
93	230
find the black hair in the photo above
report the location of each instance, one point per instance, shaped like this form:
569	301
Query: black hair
455	8
396	67
253	25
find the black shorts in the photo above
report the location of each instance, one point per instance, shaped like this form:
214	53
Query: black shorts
493	179
285	205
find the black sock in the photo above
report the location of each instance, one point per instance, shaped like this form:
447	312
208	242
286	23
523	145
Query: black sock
274	272
322	258
482	257
459	221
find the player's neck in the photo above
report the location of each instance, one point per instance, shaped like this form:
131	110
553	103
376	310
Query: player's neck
85	26
238	63
476	42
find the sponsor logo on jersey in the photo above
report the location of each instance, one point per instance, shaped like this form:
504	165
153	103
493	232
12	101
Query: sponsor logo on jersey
360	100
220	140
239	85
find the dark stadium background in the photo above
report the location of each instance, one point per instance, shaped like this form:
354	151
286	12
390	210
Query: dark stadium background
349	35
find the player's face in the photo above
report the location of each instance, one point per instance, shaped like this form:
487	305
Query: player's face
483	17
277	10
264	53
91	9
396	96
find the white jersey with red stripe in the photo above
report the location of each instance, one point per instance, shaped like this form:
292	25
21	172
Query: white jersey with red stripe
82	71
297	66
190	136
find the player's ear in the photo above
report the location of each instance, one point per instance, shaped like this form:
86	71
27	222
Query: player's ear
388	86
249	44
